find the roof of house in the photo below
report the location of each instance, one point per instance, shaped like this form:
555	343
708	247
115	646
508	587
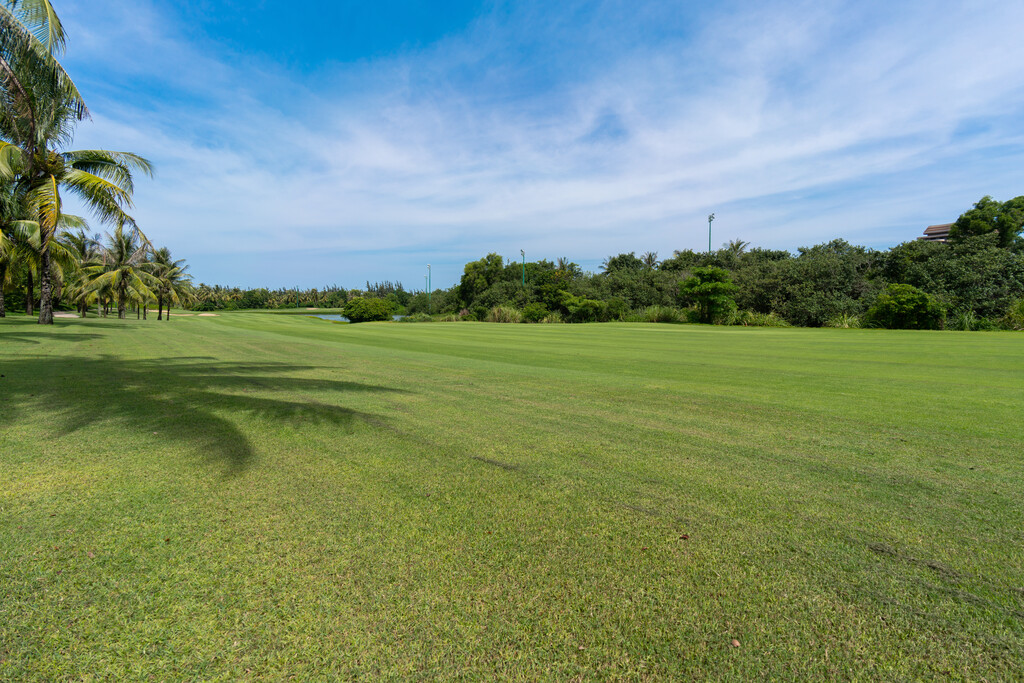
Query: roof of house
938	229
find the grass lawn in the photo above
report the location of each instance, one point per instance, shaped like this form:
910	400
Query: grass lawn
257	496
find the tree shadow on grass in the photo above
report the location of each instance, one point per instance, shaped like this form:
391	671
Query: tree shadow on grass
27	330
195	400
34	339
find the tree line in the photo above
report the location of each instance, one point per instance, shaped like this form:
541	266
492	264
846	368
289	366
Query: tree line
975	280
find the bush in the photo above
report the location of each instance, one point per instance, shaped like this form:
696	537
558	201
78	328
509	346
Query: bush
755	319
656	314
553	317
360	309
617	308
583	310
905	307
963	319
417	318
712	290
504	314
843	320
535	312
1014	318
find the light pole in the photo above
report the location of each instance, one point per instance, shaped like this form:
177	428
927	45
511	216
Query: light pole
523	253
428	288
711	217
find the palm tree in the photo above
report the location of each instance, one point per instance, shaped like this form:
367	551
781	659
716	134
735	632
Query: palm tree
86	251
40	107
37	17
650	260
736	247
122	268
174	283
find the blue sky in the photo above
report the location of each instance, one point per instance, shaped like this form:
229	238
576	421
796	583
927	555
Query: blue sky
305	144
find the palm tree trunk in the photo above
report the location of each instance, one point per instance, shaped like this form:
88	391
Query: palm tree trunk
30	293
145	311
160	308
122	301
45	293
3	309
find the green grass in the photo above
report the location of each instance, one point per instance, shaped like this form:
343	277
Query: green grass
262	496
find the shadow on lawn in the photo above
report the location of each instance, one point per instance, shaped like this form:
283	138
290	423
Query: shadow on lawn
34	339
196	400
27	331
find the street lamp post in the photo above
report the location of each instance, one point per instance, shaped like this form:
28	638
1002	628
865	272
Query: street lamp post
523	253
428	288
711	217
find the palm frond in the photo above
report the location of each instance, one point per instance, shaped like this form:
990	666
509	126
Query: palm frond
10	160
106	199
116	167
44	198
41	19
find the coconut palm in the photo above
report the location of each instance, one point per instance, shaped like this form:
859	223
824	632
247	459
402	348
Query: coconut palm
122	268
86	252
39	18
174	282
40	107
102	179
736	247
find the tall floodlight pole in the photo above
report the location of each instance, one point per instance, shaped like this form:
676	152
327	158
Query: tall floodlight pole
428	288
523	253
711	217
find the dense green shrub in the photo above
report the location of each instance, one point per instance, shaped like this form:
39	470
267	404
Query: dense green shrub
616	308
582	310
844	320
973	274
712	290
905	307
553	317
417	318
963	319
821	283
1014	318
535	312
504	314
755	319
656	314
361	309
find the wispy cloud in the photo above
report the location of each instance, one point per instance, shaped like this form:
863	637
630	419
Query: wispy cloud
581	131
